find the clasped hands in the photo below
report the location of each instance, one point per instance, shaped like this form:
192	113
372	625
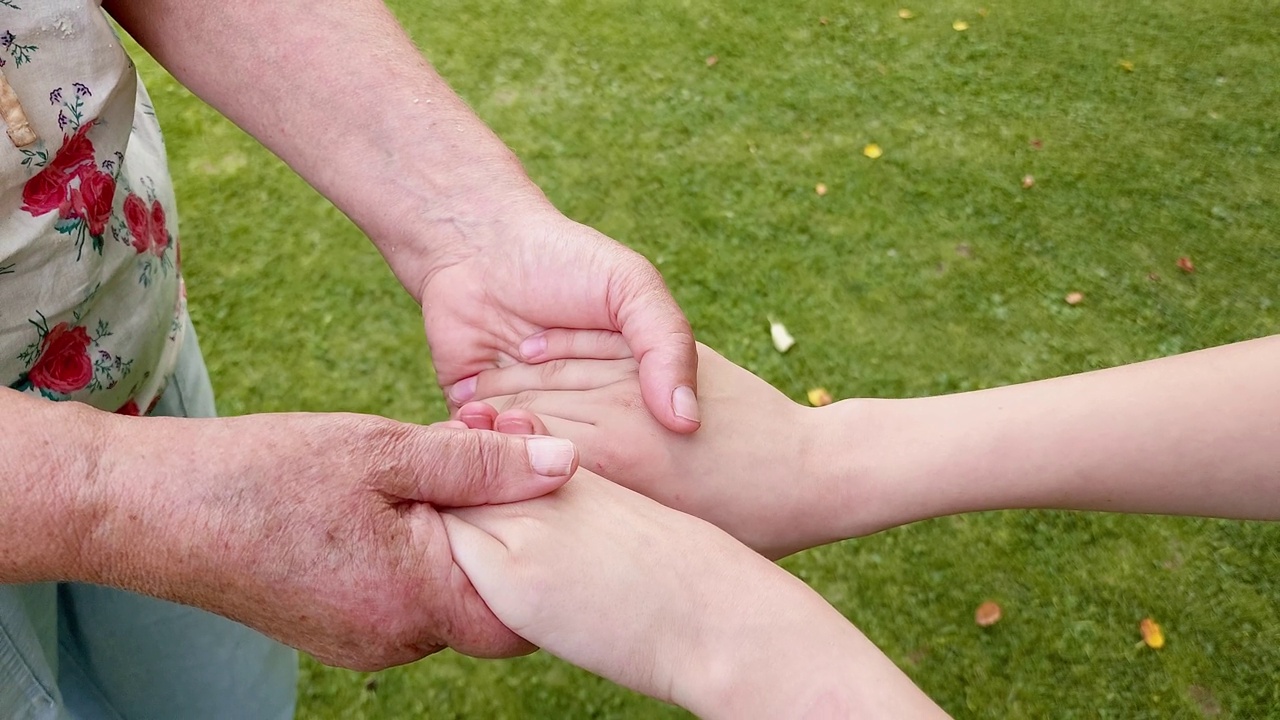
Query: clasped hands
643	568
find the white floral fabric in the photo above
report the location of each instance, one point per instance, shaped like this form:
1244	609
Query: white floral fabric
92	305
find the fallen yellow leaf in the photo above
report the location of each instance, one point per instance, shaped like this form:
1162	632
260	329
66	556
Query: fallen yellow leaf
872	151
987	614
1127	65
959	26
1151	634
1074	298
821	189
906	14
819	397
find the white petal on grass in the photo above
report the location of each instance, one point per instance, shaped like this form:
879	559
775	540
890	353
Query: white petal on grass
782	339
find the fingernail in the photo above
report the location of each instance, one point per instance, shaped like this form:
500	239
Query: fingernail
533	346
551	457
685	403
515	427
463	390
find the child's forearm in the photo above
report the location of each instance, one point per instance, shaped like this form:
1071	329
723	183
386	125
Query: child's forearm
787	653
1195	434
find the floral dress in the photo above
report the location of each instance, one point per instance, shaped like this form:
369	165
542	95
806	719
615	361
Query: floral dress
92	305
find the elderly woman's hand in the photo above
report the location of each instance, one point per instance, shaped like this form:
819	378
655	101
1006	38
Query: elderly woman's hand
319	530
534	269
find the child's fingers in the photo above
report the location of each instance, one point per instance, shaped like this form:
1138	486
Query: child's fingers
577	432
472	547
449	425
553	375
574	405
559	343
477	415
524	422
520	422
533	424
481	556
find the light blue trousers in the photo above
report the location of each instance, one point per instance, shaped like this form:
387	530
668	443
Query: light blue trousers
88	652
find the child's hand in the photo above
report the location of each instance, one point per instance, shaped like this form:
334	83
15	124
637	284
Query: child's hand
670	606
610	580
756	467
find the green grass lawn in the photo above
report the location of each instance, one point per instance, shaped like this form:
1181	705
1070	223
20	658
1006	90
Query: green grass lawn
929	270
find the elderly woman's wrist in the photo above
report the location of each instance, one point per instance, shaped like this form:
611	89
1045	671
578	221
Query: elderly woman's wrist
469	225
67	492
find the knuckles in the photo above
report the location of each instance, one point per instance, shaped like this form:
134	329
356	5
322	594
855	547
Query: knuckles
552	369
523	400
384	598
411	461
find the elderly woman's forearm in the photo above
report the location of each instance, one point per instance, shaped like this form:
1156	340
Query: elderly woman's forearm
340	92
50	491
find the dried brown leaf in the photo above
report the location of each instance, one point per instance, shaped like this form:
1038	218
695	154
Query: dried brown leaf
987	614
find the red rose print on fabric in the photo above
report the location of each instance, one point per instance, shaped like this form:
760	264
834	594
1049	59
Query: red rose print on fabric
49	188
76	150
73	184
135	216
69	357
91	201
45	192
64	365
131	408
146	225
159	230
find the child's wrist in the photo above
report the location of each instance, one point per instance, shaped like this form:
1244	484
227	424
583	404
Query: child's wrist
781	653
727	663
874	461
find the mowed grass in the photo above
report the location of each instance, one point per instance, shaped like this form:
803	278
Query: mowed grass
929	270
